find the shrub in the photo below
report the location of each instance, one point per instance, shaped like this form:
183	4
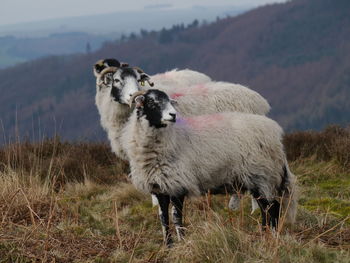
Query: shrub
331	143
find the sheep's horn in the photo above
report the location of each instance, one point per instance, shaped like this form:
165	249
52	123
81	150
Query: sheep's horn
137	93
108	70
139	70
150	83
99	62
98	67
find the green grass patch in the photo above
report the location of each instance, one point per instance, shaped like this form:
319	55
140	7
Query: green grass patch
332	206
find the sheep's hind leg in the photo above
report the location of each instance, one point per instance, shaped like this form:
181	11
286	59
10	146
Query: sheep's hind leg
164	201
177	203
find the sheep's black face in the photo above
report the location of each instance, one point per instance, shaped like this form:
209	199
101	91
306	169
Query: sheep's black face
156	106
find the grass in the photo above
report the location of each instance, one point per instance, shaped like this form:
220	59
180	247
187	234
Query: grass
62	202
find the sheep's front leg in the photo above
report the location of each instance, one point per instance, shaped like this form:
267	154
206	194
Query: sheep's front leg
177	203
269	212
263	204
164	201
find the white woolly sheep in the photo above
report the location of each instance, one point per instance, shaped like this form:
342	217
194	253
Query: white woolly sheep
197	94
114	86
222	152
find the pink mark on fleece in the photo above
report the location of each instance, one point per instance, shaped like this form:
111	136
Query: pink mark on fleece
188	91
176	95
201	122
199	89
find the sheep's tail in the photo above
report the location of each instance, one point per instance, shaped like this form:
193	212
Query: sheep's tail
289	196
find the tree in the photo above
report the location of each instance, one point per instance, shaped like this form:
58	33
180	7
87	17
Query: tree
88	48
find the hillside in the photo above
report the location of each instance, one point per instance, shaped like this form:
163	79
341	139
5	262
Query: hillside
296	54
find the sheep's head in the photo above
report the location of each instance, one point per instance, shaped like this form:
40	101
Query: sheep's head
155	106
106	63
116	79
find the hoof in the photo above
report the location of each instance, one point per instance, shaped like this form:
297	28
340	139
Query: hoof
234	203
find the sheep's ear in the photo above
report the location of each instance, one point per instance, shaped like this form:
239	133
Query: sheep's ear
139	100
143	78
98	67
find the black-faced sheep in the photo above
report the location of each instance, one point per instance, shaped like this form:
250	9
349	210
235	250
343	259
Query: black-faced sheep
173	158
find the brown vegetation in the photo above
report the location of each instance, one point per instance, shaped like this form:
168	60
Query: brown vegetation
63	162
70	202
333	143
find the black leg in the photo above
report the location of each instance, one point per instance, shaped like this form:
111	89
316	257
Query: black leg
269	212
274	212
177	203
164	201
263	204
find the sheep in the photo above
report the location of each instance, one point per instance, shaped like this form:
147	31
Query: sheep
199	95
173	158
115	83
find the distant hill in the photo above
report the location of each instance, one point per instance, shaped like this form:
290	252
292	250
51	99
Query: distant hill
295	54
20	49
24	41
152	17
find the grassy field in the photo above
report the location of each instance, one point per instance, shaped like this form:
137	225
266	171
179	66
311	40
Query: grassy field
62	202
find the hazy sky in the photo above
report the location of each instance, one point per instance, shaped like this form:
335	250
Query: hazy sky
16	11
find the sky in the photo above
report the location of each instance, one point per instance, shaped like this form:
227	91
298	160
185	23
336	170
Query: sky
19	11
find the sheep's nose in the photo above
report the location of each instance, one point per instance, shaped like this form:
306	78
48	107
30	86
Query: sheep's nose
173	115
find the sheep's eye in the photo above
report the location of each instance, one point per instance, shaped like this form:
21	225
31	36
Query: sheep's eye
108	79
151	103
